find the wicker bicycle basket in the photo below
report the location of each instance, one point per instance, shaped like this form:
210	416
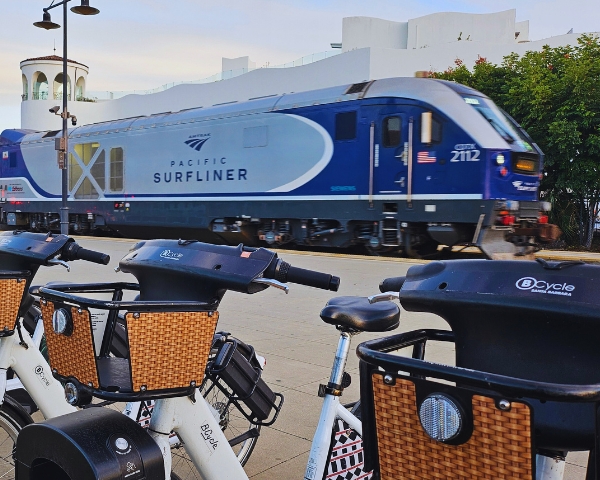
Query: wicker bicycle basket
168	348
427	421
12	287
499	446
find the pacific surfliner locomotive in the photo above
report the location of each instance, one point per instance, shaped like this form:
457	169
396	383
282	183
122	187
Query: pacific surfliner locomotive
394	164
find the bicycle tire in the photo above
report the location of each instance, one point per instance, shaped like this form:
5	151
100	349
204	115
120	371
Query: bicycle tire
12	419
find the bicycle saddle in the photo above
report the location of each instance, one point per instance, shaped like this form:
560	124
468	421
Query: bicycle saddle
356	313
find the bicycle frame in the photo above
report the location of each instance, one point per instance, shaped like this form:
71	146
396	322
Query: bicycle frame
34	374
332	409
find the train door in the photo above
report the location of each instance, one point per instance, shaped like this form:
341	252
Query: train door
390	153
388	149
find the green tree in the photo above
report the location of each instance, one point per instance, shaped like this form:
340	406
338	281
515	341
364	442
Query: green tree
555	95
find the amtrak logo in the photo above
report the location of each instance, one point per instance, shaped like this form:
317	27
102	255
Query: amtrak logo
196	143
525	186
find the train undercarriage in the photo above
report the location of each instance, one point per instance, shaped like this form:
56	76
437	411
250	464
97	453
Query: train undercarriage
506	234
391	236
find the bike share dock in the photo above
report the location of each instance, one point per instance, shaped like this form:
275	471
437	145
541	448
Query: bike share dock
298	346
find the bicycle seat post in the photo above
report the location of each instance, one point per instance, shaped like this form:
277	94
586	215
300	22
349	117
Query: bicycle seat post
335	385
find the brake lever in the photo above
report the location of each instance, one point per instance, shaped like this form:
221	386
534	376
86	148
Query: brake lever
54	261
383	297
272	283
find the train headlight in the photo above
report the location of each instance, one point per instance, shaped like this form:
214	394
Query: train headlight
512	205
62	323
440	417
499	159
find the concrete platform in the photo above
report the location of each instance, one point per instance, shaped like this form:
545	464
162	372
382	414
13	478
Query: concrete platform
299	347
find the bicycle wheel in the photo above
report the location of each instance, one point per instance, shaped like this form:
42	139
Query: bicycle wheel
12	419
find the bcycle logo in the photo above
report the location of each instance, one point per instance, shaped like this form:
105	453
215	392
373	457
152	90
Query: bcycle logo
171	255
542	286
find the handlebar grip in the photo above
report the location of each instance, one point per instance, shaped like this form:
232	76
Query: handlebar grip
310	278
393	284
75	252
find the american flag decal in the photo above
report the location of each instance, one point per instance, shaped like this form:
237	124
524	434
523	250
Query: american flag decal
426	157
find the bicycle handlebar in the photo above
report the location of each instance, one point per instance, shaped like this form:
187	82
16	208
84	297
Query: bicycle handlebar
284	272
392	284
72	251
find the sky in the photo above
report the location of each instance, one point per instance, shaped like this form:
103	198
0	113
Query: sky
143	44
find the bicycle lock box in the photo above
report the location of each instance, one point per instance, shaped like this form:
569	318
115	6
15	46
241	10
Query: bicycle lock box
526	377
236	364
91	444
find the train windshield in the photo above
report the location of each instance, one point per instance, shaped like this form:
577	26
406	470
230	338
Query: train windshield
501	123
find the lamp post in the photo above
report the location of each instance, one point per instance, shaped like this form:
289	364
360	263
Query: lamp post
63	144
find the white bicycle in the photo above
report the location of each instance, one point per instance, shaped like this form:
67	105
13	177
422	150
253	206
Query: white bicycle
21	255
170	329
26	381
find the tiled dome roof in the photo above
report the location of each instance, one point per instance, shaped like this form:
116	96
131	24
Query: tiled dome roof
55	58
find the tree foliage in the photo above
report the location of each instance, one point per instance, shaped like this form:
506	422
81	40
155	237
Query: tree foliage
555	95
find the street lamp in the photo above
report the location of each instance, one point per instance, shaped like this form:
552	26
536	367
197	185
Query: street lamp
63	144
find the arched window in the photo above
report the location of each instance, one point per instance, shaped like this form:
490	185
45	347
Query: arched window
40	87
58	87
25	95
80	89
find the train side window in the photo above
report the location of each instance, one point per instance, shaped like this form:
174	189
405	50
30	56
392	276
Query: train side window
436	130
98	170
116	169
392	131
12	160
345	126
86	154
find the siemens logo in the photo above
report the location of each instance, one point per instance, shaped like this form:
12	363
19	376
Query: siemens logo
541	286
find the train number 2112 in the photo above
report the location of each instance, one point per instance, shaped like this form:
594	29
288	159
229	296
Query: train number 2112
465	156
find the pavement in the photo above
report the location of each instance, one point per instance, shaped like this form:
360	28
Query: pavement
298	346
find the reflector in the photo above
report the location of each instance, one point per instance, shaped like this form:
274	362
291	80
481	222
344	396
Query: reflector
440	417
62	322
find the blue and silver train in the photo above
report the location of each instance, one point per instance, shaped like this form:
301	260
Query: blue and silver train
394	164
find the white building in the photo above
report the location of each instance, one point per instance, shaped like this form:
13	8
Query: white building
371	48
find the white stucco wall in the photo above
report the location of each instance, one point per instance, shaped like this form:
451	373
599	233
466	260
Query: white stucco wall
35	112
238	63
51	68
522	28
442	28
391	63
345	68
362	32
